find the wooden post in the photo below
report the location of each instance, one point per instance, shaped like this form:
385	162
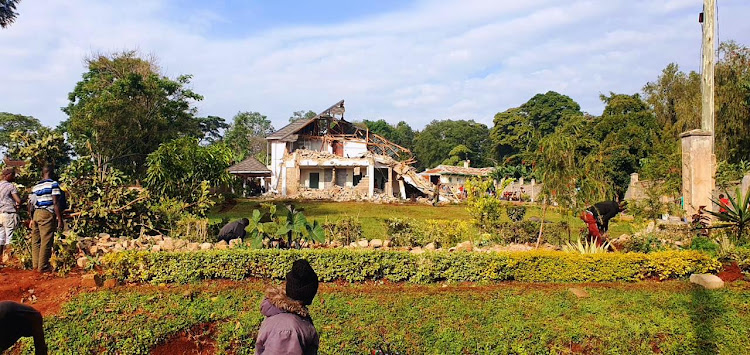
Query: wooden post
707	66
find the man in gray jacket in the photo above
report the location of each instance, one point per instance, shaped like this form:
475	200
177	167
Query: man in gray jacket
288	328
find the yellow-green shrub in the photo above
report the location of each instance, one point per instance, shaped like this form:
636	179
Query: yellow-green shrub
360	265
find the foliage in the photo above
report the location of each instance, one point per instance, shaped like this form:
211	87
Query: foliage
586	247
275	224
402	232
8	12
246	137
396	266
124	108
197	230
457	155
516	213
436	140
445	233
518	130
10	123
647	243
345	230
39	148
301	115
356	319
733	103
528	231
182	169
741	256
651	207
401	134
64	252
737	216
211	127
727	173
704	244
664	165
518	171
103	203
484	208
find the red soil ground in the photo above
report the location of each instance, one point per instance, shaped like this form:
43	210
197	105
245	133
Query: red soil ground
731	273
45	292
197	340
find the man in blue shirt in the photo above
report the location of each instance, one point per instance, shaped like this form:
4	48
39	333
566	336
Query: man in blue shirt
46	219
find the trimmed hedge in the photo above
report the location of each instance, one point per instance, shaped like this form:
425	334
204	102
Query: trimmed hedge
397	266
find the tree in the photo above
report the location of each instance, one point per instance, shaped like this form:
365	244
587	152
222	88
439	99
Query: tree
401	134
301	115
626	129
518	130
246	136
434	143
180	169
39	148
675	98
124	108
458	154
10	123
8	12
212	127
733	103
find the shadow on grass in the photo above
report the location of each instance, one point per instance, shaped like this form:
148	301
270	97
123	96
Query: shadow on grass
708	308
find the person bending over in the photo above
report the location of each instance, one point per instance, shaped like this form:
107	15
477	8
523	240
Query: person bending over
234	230
597	218
18	320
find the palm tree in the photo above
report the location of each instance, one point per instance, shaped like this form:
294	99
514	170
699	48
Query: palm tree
8	12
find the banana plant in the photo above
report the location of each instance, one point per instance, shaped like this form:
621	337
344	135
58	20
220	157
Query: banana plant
737	215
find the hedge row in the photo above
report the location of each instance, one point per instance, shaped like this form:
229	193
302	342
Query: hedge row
397	266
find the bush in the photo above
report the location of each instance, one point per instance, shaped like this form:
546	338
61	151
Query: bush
528	232
704	244
516	213
402	232
396	266
345	230
445	233
741	256
643	244
195	230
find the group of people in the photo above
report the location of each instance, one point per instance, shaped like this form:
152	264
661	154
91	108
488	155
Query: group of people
45	208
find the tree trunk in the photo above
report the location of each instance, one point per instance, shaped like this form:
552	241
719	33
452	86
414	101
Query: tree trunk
541	224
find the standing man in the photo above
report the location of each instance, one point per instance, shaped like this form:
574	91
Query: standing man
46	219
9	204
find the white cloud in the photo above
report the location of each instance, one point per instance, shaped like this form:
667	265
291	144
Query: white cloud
432	60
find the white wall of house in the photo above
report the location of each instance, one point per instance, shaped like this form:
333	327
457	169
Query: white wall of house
354	149
277	154
453	179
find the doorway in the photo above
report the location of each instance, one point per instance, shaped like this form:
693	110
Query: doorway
314	180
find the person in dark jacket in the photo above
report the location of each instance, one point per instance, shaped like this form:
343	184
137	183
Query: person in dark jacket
288	327
234	230
597	218
18	320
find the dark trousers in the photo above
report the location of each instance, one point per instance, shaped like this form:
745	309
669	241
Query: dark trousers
42	237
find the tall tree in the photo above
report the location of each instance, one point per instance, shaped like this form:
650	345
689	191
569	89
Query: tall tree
8	12
212	128
246	136
627	130
301	115
675	98
10	123
401	134
433	144
733	103
124	108
518	130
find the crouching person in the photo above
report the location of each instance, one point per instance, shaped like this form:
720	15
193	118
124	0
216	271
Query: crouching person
17	321
288	328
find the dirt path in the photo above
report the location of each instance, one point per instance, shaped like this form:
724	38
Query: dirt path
45	292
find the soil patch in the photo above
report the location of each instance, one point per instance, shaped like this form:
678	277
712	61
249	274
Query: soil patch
731	273
197	340
45	292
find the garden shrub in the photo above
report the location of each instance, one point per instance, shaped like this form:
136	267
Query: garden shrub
197	230
528	232
741	256
402	232
444	233
344	230
643	244
704	244
360	265
516	213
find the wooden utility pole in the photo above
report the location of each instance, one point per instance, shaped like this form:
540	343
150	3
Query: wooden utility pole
707	67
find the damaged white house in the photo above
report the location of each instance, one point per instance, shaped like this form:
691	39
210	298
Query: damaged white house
328	157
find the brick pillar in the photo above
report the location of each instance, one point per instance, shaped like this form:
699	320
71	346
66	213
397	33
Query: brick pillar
697	170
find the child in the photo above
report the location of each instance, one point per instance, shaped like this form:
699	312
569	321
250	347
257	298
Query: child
288	328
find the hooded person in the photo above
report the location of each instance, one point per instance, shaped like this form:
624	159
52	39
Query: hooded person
288	328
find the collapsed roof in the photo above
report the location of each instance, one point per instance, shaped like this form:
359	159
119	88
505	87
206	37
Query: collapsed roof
330	125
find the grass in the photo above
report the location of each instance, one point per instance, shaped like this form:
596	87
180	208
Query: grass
372	216
641	318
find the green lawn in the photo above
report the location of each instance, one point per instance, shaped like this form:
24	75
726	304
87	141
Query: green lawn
372	215
637	318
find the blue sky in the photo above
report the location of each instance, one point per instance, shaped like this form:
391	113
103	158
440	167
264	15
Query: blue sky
399	60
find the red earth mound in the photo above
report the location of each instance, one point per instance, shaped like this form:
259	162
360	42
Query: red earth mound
45	292
731	273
